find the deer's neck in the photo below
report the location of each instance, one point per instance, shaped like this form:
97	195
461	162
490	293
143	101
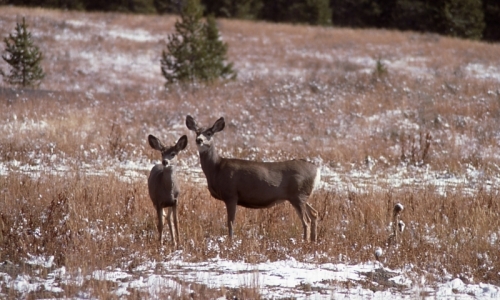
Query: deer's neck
209	161
168	176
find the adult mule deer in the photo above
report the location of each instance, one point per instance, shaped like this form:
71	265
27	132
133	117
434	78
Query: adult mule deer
162	185
255	184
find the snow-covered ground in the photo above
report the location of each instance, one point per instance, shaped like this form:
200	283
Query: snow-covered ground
284	279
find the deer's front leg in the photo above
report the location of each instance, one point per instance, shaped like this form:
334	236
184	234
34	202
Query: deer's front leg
169	222
159	225
176	224
231	215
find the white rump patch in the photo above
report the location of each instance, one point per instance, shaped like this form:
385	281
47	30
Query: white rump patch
317	178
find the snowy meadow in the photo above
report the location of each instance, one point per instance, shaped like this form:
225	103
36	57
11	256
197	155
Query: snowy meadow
391	117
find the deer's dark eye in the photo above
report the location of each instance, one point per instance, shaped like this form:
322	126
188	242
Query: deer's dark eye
208	133
172	155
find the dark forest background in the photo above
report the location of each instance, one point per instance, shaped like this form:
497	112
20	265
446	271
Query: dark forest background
472	19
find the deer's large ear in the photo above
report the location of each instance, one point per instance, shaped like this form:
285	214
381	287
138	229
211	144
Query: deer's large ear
181	143
219	125
191	123
155	143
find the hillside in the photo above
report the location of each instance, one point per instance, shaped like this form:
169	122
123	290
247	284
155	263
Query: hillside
361	103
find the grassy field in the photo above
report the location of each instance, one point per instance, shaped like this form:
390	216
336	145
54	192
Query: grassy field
74	157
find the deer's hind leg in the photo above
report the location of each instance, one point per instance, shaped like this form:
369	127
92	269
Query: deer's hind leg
313	215
304	217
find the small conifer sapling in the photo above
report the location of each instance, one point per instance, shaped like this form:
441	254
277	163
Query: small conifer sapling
195	51
23	57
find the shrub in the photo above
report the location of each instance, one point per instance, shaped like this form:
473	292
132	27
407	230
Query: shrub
380	68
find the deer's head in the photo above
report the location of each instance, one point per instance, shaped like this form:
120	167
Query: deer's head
204	137
168	154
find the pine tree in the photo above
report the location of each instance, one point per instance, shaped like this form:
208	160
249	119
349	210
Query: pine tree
492	20
23	57
356	13
240	9
418	15
314	12
195	51
464	18
168	6
215	49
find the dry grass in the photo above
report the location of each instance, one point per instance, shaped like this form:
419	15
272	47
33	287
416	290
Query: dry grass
333	110
91	223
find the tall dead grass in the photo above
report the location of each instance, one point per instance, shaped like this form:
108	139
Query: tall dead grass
89	223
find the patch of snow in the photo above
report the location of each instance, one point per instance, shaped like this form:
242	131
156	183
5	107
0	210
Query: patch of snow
481	71
138	35
45	262
278	279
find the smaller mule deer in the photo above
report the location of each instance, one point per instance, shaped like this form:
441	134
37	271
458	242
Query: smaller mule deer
162	184
255	184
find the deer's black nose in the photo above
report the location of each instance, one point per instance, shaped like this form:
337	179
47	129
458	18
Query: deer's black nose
165	162
199	141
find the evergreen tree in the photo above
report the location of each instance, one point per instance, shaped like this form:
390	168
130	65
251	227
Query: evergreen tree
314	12
418	15
23	57
492	20
168	6
195	51
215	50
356	13
386	19
463	18
136	6
242	9
63	4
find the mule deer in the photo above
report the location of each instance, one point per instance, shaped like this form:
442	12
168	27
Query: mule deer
254	184
162	185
